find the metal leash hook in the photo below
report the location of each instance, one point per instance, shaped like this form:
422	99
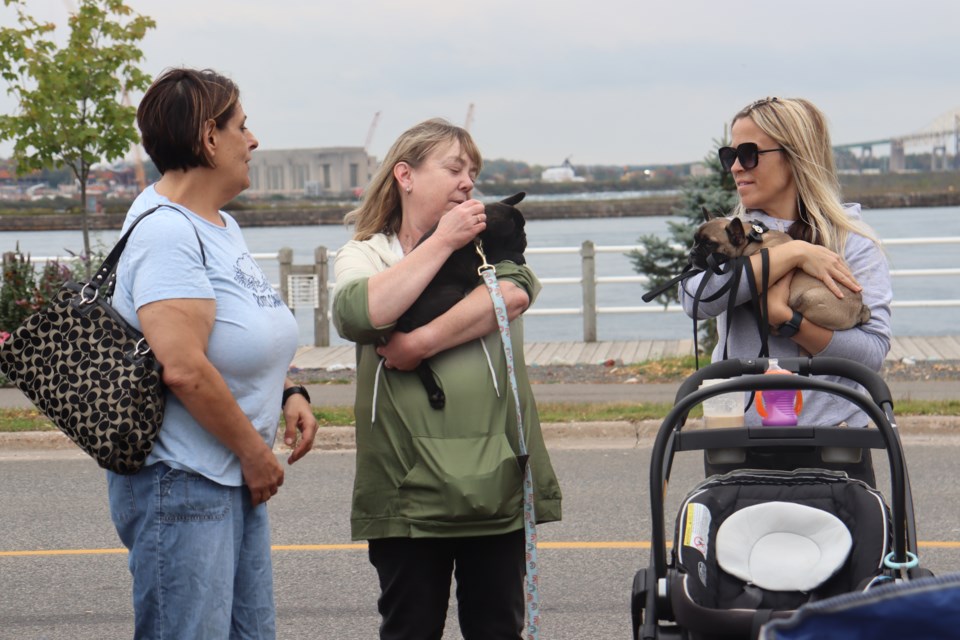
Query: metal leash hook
485	266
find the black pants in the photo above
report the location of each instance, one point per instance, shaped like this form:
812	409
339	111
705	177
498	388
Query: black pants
415	586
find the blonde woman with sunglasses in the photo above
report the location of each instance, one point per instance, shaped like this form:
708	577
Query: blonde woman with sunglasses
782	162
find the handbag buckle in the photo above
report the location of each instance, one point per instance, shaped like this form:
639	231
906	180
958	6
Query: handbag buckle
142	348
83	293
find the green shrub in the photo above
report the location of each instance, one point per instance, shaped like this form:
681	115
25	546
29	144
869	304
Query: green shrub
25	290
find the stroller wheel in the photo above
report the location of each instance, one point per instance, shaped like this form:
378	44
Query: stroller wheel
638	601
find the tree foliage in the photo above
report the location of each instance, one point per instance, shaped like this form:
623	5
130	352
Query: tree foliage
69	98
660	259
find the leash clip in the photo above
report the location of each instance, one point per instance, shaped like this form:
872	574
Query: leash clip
757	229
485	266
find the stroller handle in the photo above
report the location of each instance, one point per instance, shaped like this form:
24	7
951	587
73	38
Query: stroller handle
869	379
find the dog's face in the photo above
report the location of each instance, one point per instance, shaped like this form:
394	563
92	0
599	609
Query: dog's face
718	235
505	238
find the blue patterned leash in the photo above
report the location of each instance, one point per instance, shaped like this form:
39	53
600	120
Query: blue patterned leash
488	272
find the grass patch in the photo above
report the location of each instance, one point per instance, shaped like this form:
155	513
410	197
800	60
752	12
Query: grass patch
663	369
926	408
334	416
16	420
613	412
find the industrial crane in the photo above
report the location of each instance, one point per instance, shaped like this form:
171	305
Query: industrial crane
138	171
373	127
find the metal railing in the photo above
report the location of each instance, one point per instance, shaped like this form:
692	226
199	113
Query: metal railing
299	284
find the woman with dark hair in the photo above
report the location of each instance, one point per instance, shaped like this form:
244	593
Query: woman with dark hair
194	518
438	493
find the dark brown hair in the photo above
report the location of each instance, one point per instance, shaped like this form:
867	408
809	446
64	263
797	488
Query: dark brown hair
174	111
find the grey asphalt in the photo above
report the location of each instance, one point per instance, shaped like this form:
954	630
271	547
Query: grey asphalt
69	579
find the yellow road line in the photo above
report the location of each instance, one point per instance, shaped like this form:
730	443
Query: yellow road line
359	546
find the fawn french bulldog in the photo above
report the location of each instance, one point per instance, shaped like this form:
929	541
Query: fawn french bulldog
808	295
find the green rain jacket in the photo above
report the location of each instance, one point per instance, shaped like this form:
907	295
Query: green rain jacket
451	472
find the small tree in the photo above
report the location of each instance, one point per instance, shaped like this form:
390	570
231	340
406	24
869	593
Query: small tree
662	259
70	111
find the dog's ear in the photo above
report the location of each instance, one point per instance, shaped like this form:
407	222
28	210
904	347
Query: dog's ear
514	199
735	232
518	218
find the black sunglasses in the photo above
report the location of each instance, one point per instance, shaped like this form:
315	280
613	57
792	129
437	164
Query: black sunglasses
747	153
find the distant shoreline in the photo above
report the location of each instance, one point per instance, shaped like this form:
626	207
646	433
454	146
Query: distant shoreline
564	209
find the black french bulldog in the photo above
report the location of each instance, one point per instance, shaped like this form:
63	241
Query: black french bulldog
503	239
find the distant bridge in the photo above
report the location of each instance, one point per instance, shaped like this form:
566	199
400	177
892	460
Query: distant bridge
937	135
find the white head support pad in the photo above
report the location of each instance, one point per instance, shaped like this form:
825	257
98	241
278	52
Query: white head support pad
783	546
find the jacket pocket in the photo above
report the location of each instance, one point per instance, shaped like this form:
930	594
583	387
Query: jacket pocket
461	480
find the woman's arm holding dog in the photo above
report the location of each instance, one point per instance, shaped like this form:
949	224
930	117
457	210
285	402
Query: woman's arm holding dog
391	292
816	260
868	343
469	319
812	338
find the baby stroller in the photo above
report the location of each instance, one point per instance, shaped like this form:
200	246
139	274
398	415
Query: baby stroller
792	520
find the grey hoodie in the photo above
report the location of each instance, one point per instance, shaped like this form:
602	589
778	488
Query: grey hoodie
867	343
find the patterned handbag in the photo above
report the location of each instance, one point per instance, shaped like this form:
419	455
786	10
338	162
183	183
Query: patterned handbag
90	371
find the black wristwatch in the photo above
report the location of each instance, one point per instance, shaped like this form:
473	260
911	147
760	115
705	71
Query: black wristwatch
790	328
289	391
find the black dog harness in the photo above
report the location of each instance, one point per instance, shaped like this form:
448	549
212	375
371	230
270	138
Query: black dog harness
719	264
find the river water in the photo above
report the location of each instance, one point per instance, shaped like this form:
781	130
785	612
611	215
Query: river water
888	223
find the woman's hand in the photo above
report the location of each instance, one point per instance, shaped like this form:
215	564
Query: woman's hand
461	224
826	266
262	474
402	351
297	416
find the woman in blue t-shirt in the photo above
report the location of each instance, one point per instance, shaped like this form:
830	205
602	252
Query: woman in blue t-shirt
194	518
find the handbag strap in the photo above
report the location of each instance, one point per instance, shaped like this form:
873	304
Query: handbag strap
488	272
105	274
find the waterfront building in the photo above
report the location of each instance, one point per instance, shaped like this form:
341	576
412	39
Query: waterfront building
326	171
563	173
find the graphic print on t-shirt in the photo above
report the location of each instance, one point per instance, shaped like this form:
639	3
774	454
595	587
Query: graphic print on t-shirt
248	274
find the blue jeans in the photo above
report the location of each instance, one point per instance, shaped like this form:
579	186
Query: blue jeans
199	555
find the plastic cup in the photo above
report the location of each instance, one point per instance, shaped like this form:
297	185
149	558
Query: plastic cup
724	410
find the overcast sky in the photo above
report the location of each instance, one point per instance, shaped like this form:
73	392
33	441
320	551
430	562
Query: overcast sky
600	81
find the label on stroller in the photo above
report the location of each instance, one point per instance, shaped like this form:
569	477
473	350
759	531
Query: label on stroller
696	529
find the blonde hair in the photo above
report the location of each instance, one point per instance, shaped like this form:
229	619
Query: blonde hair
379	211
801	128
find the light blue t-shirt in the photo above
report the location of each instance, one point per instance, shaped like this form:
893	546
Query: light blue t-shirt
254	336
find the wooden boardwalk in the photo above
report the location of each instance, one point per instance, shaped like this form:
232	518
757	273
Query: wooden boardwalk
630	351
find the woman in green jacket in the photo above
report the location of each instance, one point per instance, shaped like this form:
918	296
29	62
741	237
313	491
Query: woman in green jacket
437	491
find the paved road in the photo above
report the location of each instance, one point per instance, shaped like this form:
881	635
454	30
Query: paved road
56	501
